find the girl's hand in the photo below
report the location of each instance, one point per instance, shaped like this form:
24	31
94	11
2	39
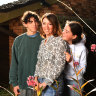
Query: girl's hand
68	57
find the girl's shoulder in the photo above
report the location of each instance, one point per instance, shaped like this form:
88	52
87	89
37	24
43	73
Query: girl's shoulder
80	46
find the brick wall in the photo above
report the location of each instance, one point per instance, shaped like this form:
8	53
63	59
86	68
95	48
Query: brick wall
84	8
15	26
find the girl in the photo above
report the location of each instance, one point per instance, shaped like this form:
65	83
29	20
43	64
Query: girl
72	33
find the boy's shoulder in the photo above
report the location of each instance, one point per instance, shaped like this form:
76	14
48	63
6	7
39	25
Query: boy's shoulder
20	36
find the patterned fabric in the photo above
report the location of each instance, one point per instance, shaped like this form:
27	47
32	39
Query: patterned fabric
51	59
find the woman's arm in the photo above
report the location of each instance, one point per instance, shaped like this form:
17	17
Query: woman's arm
57	62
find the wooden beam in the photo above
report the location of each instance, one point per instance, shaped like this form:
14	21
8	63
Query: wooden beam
18	12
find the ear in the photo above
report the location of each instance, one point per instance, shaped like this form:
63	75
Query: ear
74	37
24	24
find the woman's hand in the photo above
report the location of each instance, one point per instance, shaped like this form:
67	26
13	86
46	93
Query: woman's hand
68	57
42	85
36	80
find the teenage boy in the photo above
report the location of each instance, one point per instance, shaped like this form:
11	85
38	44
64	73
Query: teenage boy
24	54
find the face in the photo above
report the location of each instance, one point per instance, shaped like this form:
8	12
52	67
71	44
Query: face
32	25
67	34
47	27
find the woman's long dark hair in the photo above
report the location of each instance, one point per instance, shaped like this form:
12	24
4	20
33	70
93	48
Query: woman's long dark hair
54	21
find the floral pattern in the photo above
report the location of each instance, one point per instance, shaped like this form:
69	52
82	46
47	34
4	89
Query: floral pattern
51	59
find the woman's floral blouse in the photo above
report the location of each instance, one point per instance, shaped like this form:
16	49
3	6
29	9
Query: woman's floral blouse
51	59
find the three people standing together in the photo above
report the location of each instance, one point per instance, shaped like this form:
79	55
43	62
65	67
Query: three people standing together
49	65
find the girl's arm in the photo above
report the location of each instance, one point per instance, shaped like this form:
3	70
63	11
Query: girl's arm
83	61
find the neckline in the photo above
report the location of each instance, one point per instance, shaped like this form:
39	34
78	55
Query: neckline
32	36
50	38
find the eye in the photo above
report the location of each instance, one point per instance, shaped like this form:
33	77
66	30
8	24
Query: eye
50	24
30	22
66	31
43	23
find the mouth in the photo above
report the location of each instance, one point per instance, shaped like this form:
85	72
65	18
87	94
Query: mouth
47	30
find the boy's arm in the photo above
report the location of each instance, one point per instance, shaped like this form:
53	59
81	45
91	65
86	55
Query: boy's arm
13	73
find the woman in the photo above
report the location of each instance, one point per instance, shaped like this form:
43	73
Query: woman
51	57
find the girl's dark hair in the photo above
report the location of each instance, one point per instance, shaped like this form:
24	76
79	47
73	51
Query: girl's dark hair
54	21
76	29
27	15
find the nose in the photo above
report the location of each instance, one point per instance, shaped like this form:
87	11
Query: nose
47	26
63	32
